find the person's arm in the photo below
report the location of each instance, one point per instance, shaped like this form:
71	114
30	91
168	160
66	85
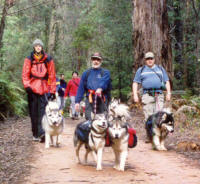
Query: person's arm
81	89
137	80
67	89
167	84
135	92
168	88
52	76
26	73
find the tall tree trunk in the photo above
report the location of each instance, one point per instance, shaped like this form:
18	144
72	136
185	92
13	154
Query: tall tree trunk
185	45
52	29
151	33
196	8
2	24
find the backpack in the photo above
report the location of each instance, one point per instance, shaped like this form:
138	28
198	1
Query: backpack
46	61
107	92
83	130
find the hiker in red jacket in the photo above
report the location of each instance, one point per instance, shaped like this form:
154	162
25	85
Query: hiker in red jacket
38	77
71	91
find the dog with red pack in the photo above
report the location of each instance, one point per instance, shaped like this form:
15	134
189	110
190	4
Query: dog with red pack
121	135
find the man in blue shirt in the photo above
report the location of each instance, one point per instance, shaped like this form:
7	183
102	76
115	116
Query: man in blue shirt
96	83
153	78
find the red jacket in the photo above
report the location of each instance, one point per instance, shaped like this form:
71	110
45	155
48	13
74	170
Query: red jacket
72	87
39	69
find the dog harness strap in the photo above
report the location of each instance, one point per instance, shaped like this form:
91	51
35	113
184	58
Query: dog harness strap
93	129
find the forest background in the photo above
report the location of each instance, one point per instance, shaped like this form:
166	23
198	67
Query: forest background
73	29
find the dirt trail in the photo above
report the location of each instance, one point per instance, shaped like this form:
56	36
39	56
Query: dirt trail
144	166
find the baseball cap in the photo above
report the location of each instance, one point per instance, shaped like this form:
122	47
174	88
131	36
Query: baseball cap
149	55
96	55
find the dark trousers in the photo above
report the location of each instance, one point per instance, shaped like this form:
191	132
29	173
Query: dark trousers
101	107
36	104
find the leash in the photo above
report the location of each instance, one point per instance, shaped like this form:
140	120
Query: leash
45	95
157	104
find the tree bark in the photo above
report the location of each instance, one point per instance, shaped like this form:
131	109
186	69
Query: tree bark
52	29
2	24
151	33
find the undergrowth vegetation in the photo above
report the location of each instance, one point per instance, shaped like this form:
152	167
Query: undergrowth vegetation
12	97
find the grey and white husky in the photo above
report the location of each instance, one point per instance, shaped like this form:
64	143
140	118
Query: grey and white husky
52	123
118	132
95	141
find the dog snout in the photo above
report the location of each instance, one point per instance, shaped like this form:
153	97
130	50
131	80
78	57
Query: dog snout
172	131
54	123
116	136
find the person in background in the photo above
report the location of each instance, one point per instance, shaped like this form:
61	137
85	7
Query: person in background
61	87
95	83
39	78
71	91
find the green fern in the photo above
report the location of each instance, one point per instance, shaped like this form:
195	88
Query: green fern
12	100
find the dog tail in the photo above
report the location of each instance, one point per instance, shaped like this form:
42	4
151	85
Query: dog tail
75	139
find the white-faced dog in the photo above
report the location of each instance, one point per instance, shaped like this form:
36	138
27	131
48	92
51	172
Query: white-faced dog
52	123
119	142
95	139
118	132
158	126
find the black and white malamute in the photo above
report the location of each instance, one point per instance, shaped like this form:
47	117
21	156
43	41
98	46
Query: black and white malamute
158	126
52	123
92	135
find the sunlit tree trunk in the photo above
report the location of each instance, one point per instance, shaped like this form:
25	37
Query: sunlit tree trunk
151	33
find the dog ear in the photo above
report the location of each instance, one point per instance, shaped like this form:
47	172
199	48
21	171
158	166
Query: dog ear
123	118
113	112
110	118
164	116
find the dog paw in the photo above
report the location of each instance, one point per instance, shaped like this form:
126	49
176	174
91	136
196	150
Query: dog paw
163	149
121	169
99	168
116	167
58	145
158	148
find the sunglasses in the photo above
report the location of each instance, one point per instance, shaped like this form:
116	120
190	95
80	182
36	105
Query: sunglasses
97	59
149	58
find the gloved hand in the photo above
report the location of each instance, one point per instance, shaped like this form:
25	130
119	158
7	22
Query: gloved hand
28	90
77	107
52	96
98	92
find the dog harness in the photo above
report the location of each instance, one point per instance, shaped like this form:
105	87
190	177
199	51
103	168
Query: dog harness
99	134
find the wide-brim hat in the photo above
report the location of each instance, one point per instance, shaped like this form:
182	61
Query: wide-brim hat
149	55
96	55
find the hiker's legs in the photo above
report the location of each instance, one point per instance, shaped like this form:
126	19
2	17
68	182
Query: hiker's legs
148	105
72	98
88	109
159	102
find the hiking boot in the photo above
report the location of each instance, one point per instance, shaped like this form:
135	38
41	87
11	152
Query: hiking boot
147	140
36	139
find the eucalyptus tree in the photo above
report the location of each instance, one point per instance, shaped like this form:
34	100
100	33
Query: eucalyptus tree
151	32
